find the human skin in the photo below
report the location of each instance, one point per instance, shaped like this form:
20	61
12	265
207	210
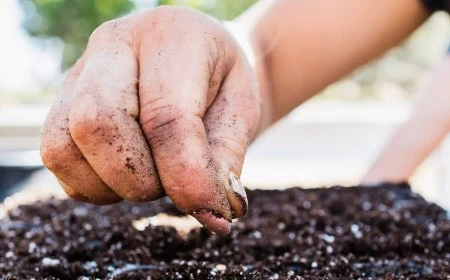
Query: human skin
154	108
416	139
166	101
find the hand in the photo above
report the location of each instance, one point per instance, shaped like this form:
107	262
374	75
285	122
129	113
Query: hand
161	102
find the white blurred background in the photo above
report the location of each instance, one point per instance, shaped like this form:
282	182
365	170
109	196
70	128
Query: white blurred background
332	139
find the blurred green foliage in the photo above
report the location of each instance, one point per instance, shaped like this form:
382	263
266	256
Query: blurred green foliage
70	20
223	9
400	71
73	21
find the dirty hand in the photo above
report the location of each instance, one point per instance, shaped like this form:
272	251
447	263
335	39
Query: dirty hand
161	102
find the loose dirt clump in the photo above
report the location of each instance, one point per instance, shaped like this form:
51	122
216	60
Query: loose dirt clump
386	232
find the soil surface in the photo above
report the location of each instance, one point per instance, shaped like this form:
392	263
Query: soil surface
385	232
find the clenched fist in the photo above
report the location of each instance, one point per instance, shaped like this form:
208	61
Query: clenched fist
161	103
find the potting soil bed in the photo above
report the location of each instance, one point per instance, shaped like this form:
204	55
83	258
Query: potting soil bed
386	232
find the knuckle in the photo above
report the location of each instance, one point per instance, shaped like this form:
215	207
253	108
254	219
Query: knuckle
53	155
110	30
56	146
160	124
50	158
81	128
102	30
85	124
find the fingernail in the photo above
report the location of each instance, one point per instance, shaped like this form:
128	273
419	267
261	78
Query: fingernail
213	222
238	199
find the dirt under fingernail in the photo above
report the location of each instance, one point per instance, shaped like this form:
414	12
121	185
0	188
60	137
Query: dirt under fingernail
237	196
236	186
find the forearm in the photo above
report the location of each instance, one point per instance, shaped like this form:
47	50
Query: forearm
417	138
303	46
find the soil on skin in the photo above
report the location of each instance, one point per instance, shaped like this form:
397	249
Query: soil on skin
385	232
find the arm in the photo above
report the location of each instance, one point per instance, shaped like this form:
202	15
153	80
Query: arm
303	46
420	135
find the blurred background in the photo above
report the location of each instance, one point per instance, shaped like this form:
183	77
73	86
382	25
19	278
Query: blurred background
332	139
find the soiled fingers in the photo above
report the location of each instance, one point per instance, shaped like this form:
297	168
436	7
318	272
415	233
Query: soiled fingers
184	127
102	119
231	122
61	155
91	139
236	196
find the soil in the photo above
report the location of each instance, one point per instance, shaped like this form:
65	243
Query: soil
385	232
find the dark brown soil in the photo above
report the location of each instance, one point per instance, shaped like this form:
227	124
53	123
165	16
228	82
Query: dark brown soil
385	232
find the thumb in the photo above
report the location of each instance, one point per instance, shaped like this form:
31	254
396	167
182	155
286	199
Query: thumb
231	122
